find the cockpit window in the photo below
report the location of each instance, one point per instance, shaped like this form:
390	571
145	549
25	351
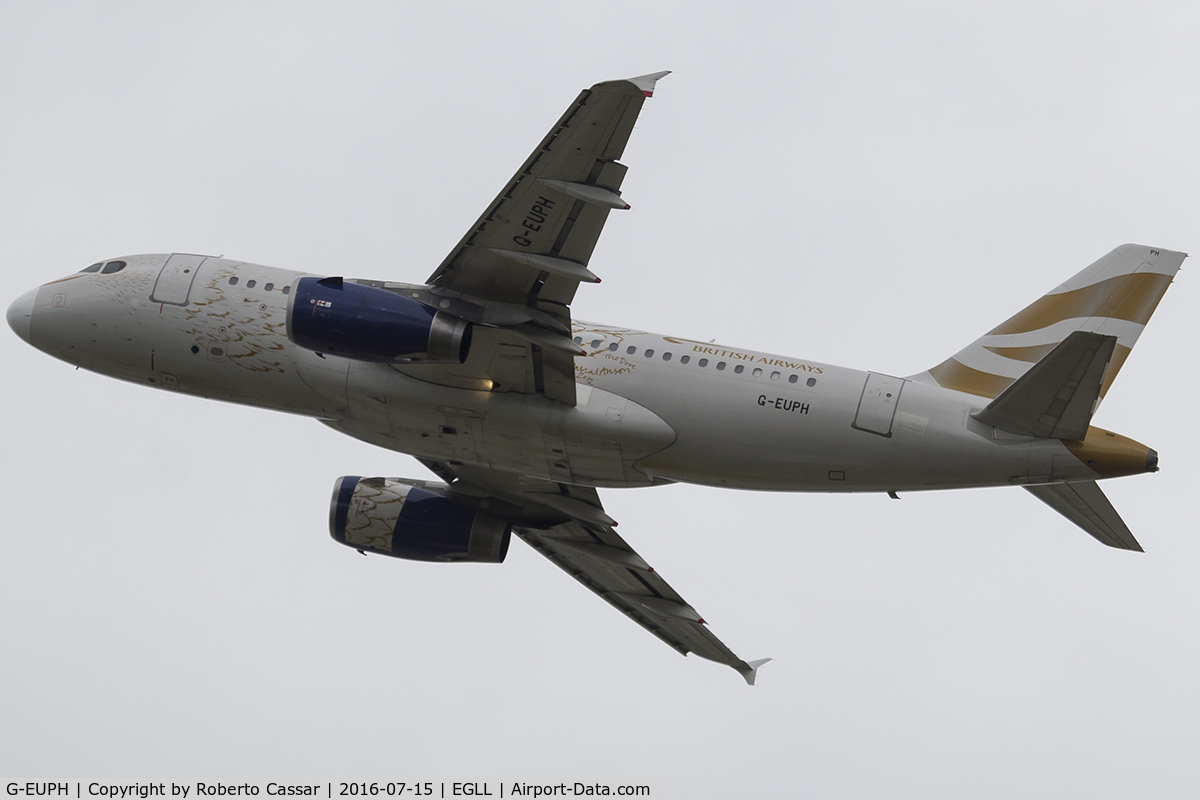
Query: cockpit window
93	267
111	267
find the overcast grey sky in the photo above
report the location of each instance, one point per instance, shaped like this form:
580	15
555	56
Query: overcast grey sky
854	183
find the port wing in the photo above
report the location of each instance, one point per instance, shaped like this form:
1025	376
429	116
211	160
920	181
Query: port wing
570	528
523	259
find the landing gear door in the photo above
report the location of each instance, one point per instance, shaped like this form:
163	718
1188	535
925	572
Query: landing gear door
877	406
174	282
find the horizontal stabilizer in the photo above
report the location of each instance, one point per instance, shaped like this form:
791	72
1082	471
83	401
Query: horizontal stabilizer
1086	506
1056	398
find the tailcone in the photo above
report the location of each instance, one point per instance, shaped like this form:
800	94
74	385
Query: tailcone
1111	455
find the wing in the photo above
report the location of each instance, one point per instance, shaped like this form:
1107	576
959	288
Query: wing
569	527
519	265
603	562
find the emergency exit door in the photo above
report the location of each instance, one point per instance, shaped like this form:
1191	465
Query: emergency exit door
877	406
174	282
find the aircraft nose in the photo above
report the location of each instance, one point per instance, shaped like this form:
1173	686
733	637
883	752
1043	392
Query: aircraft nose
20	312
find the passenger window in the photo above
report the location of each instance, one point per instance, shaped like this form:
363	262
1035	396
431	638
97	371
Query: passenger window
684	359
233	281
811	382
774	376
268	287
287	289
702	362
113	266
578	340
631	350
595	342
720	366
666	356
250	284
649	354
93	268
738	369
793	378
757	371
612	348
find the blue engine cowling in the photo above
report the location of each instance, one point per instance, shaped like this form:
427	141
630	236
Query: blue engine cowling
343	318
413	520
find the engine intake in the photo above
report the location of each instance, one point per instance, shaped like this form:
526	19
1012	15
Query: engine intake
413	520
343	318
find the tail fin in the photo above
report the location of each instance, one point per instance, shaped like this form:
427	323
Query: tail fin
1114	296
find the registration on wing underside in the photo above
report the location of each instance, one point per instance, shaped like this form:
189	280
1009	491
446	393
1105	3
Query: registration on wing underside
530	249
553	208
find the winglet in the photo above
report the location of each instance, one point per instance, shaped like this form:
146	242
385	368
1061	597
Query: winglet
646	82
752	670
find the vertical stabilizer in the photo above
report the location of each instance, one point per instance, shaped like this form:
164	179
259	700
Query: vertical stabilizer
1114	296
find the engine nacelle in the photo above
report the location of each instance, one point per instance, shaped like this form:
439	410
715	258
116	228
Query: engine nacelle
414	520
343	318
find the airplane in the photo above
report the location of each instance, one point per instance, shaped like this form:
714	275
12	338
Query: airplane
524	413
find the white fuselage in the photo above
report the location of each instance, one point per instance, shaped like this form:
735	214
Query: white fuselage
650	409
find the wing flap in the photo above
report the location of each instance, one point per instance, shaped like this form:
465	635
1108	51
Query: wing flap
1086	505
1056	398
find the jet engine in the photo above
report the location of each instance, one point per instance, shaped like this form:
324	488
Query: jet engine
344	318
415	520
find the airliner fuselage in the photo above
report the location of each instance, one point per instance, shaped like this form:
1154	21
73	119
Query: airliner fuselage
651	408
